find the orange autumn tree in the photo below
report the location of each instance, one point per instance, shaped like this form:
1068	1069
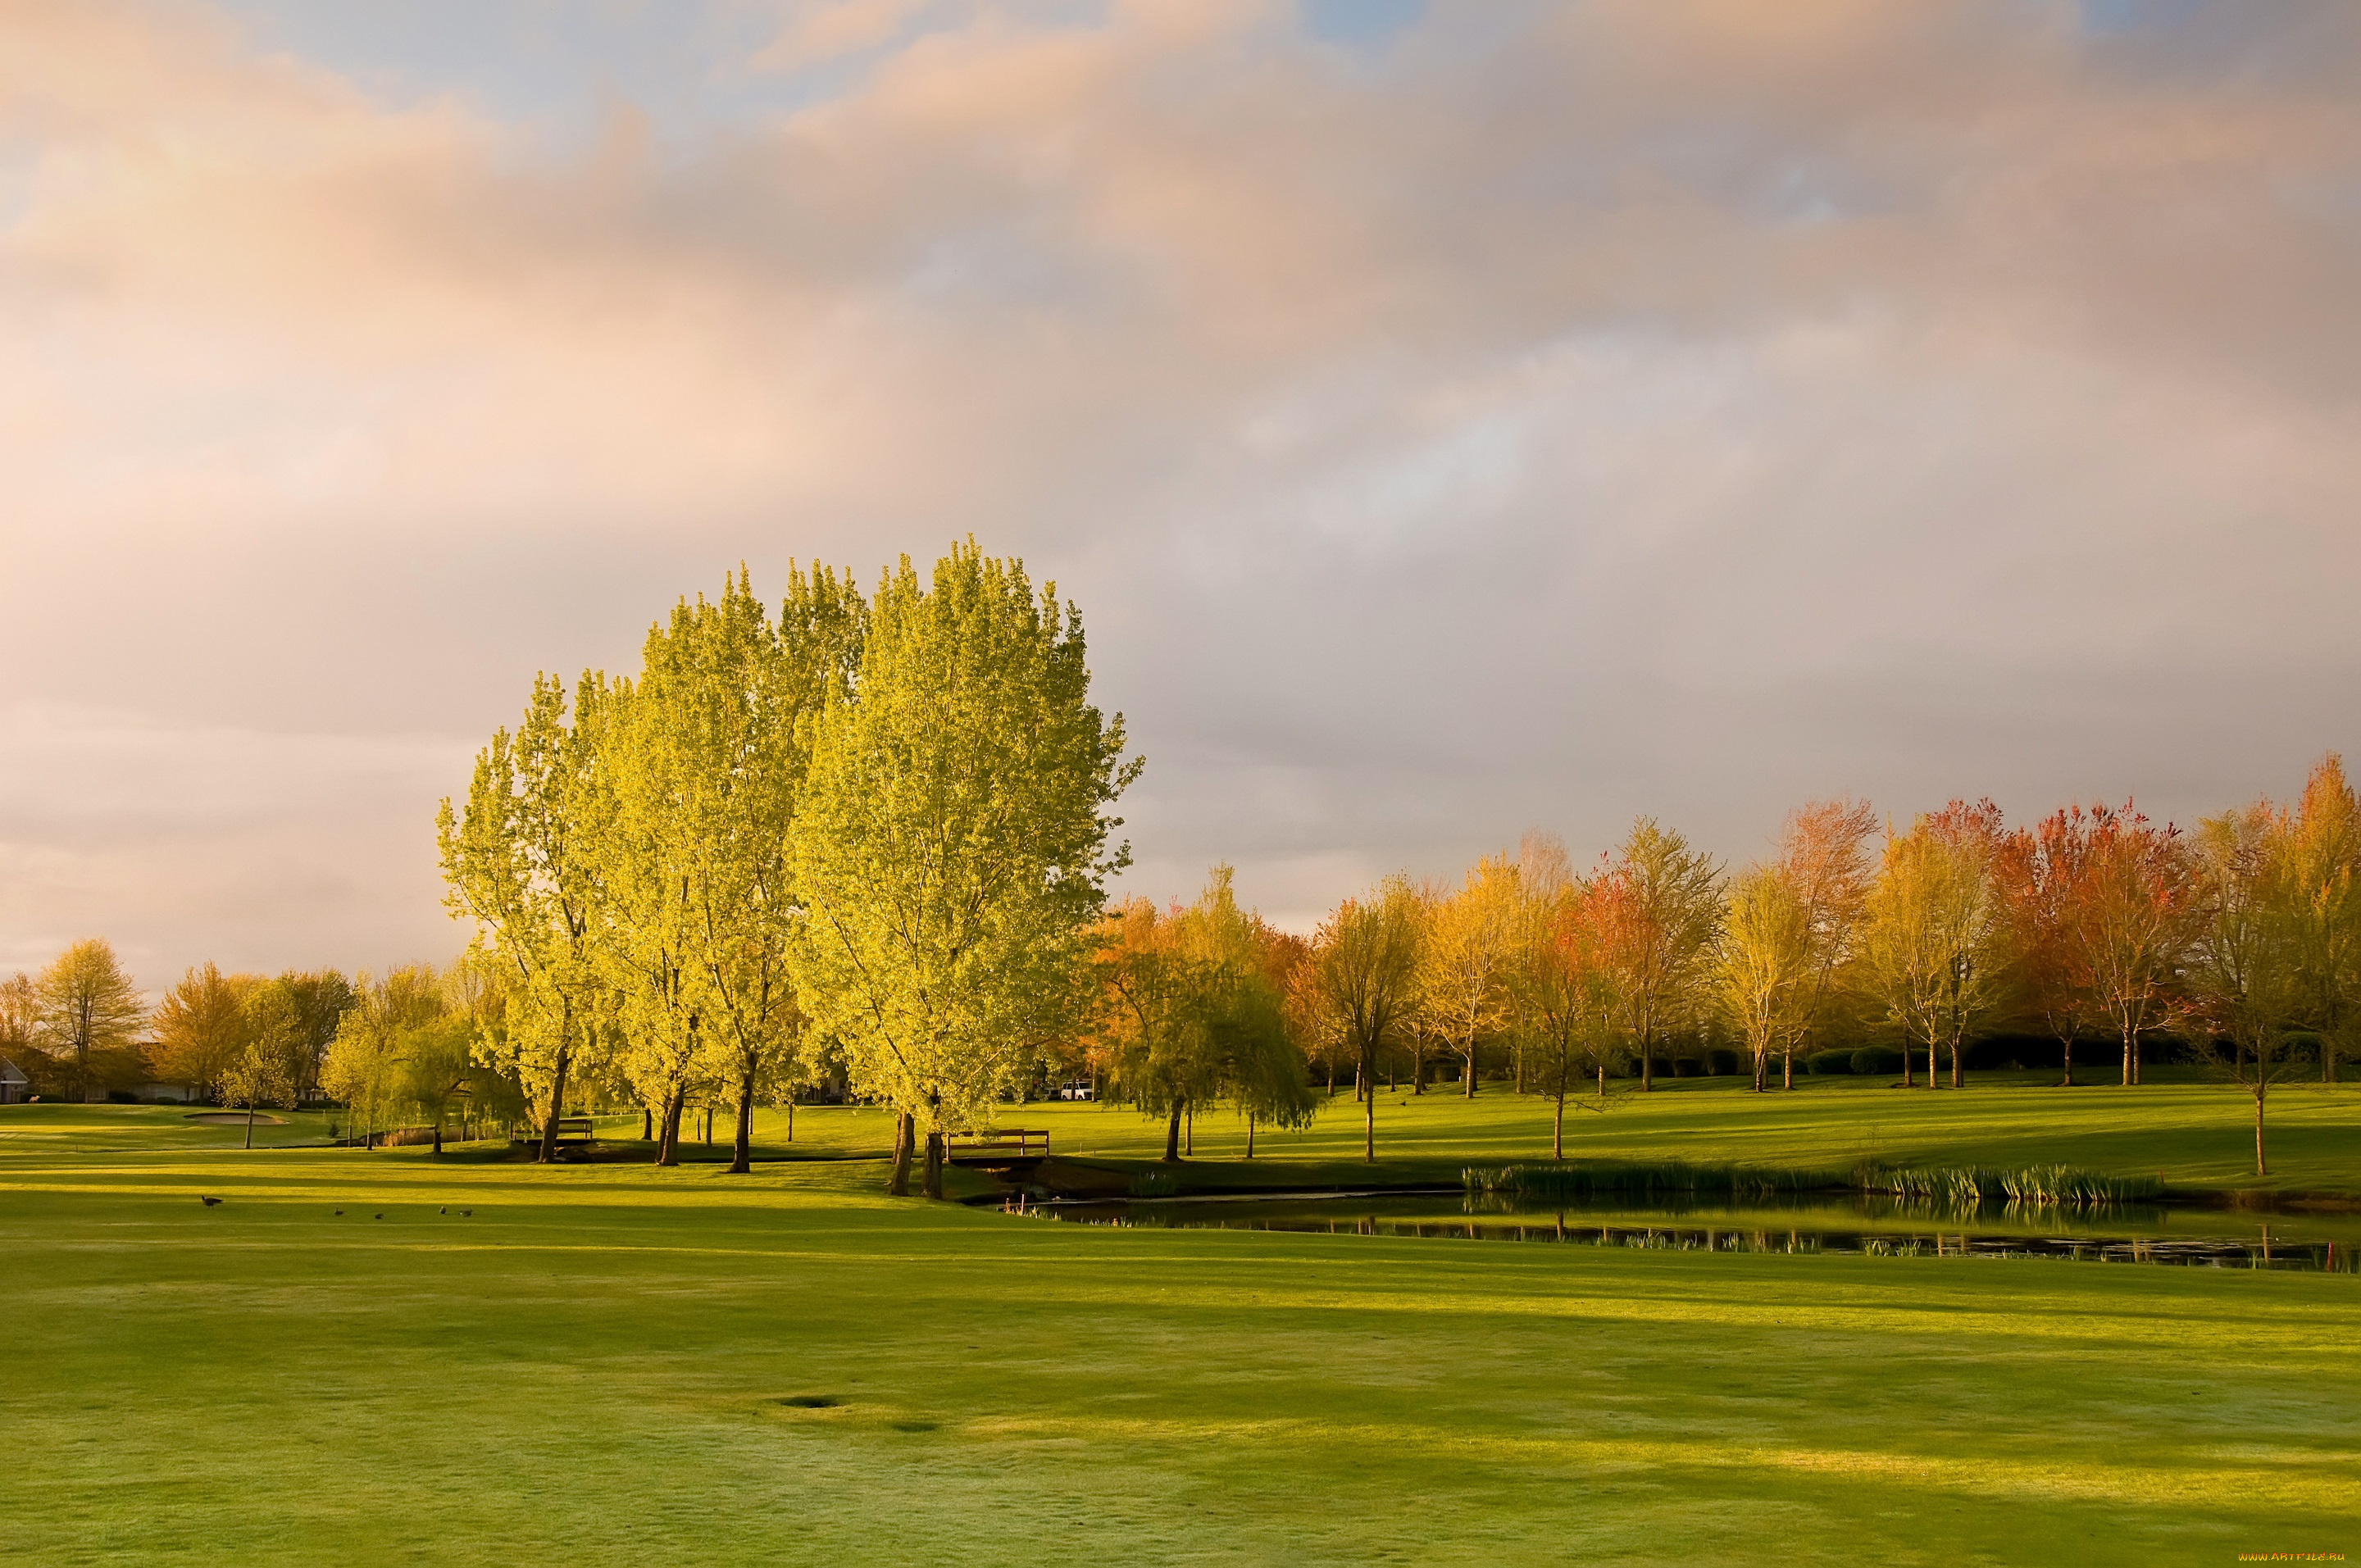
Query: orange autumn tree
2130	920
2042	871
1660	913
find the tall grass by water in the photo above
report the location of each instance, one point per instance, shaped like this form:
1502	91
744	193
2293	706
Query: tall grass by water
1959	1185
1638	1178
2023	1184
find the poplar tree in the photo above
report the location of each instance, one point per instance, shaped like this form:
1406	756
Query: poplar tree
709	753
953	852
518	863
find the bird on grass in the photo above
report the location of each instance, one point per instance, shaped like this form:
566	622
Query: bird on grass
467	1213
442	1210
208	1202
377	1216
340	1213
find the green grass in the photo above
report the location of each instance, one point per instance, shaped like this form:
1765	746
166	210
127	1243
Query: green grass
2188	1135
600	1366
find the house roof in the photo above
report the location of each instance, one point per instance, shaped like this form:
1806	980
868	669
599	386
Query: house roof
11	1073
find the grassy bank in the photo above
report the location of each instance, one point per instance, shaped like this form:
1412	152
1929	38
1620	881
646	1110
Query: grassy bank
595	1363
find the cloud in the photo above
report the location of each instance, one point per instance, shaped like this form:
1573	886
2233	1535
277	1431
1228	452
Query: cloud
1554	413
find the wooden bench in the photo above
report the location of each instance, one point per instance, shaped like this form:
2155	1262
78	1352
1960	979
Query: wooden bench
570	1129
997	1146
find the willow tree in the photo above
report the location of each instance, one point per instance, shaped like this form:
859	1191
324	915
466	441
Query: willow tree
1363	971
952	852
1197	1014
518	863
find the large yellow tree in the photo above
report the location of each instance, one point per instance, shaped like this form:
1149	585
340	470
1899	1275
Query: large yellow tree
1468	949
200	1027
1935	943
89	1012
953	851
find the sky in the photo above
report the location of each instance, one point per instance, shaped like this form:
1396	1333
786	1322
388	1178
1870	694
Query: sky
1451	418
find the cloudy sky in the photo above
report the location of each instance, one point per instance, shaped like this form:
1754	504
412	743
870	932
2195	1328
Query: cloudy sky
1451	418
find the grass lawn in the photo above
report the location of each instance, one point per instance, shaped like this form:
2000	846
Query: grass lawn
593	1365
2191	1133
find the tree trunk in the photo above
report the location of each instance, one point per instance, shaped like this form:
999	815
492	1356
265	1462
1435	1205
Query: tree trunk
2067	1042
1471	1070
1332	1078
934	1165
1762	1069
556	1104
438	1134
2262	1166
2131	1062
1369	1126
897	1185
1602	1081
1189	1133
791	1118
647	1124
1647	1064
1557	1129
1907	1079
249	1132
1788	1067
668	1152
741	1157
1955	1062
1250	1135
1172	1132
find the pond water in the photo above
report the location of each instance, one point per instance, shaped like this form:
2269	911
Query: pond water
1860	1223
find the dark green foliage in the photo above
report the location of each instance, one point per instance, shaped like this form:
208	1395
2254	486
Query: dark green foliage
1827	1063
1871	1062
1724	1063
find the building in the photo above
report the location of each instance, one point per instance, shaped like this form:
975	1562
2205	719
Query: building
14	1084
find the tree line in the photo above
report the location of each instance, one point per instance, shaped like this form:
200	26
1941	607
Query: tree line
867	837
2242	937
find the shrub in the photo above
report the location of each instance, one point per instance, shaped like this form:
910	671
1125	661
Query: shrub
1723	1064
1687	1066
1829	1062
1870	1061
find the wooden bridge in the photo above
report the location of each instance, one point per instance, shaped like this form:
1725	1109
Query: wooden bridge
997	1148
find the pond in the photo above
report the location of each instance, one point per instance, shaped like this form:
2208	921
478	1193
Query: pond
1861	1223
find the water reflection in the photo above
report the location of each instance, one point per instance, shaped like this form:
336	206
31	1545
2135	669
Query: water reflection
1867	1224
